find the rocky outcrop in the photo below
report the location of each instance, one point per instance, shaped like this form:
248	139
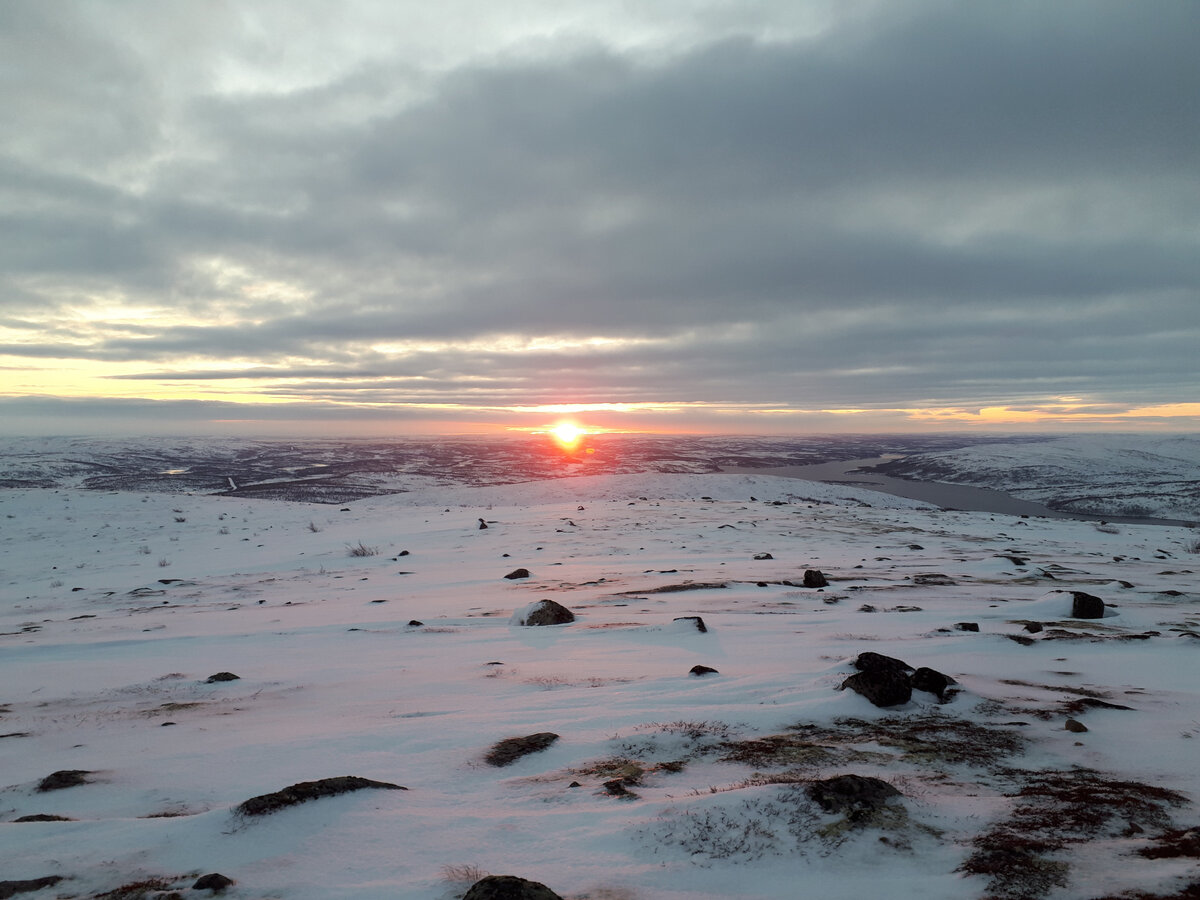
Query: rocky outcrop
509	887
509	750
543	612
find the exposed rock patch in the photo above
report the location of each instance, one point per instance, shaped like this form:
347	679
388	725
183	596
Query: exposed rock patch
310	790
64	778
543	612
509	750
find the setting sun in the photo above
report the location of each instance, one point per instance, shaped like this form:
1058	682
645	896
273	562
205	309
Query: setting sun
567	433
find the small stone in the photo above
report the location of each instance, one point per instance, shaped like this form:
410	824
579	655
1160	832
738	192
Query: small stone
213	881
763	556
1086	606
221	676
814	578
703	670
415	623
517	573
966	626
1076	726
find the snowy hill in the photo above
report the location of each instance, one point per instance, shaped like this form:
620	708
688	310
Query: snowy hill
1116	475
374	640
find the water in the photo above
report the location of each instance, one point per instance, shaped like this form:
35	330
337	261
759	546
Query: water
856	472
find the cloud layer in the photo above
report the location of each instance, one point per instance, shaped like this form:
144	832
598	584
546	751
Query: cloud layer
731	216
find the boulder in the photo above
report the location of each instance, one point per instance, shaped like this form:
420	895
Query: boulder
517	573
761	556
882	687
931	681
877	662
543	612
703	670
221	676
966	626
1086	606
814	578
509	887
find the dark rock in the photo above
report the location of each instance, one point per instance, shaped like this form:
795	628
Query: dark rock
547	612
1076	726
703	670
221	676
213	881
509	887
310	790
877	662
1086	606
814	578
43	817
616	788
966	626
1033	627
851	794
882	687
517	573
695	620
915	547
482	525
12	888
509	750
932	578
763	556
415	623
63	778
931	681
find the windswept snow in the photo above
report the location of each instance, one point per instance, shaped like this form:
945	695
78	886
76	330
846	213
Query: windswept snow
401	666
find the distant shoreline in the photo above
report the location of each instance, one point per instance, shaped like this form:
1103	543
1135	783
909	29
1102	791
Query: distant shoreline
939	493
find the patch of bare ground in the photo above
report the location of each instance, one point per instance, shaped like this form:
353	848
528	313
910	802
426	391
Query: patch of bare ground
310	790
1187	892
924	739
1021	855
144	890
677	588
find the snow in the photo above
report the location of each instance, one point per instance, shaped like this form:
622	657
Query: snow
98	654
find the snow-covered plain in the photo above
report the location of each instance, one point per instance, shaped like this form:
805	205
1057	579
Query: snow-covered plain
403	667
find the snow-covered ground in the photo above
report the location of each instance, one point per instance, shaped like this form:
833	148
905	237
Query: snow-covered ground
403	667
1102	474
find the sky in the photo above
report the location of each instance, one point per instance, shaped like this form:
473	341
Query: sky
755	216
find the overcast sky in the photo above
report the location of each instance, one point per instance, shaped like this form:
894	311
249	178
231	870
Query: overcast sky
719	215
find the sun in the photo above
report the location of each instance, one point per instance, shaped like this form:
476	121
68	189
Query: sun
567	433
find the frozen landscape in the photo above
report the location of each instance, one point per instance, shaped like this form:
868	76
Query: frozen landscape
1030	743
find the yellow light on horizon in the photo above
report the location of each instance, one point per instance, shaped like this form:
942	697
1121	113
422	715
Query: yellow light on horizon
567	433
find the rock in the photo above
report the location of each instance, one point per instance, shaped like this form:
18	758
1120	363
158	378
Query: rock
509	887
1086	606
1076	726
415	623
616	788
966	626
213	881
932	578
931	681
877	662
310	790
851	793
543	612
695	620
763	556
12	888
1033	627
221	676
517	573
882	687
64	778
915	547
482	525
814	578
509	750
703	670
43	817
